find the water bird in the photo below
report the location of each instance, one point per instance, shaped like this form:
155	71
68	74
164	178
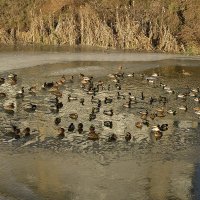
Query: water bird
9	107
2	95
2	80
92	116
108	124
57	121
108	112
30	107
112	137
70	98
185	108
71	127
120	96
139	124
185	73
80	128
61	133
73	116
82	100
92	134
26	132
108	100
128	137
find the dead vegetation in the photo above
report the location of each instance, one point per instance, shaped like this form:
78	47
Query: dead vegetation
158	25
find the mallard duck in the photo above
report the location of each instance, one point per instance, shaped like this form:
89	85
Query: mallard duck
61	133
95	110
155	75
195	90
2	95
71	127
145	122
30	107
57	93
128	137
157	134
108	112
2	80
112	137
120	96
139	124
108	100
70	98
92	116
9	107
185	108
73	116
172	112
196	109
128	104
163	127
131	75
131	97
47	85
26	132
153	116
95	100
57	120
197	99
92	134
20	94
80	128
32	90
82	100
108	124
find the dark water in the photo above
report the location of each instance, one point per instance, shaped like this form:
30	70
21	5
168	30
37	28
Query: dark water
44	167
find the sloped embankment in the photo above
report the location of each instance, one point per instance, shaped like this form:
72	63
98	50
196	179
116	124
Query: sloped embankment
169	26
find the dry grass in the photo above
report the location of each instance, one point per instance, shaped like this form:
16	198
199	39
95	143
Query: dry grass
162	25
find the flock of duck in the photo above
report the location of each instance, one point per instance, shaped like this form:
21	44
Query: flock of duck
152	106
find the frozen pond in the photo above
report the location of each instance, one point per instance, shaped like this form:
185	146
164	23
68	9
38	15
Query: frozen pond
44	167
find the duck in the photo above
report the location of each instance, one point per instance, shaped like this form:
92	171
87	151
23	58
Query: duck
9	107
32	90
185	108
128	104
80	128
155	75
57	93
57	121
61	133
73	116
197	99
186	73
160	110
20	94
128	137
197	112
2	80
153	116
2	95
108	112
47	85
131	97
82	100
95	100
163	127
17	134
196	108
95	110
112	137
139	124
108	124
131	75
145	122
120	96
172	112
195	90
71	127
108	100
92	116
26	132
70	98
30	107
182	96
157	134
92	134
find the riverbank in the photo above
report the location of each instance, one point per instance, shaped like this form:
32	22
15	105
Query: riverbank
165	26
